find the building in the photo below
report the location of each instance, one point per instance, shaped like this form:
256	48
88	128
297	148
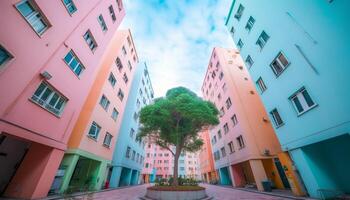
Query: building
49	57
159	163
244	144
91	145
129	153
302	78
206	160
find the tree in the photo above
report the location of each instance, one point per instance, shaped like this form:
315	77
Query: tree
175	120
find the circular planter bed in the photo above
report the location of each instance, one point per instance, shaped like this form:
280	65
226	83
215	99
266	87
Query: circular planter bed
176	192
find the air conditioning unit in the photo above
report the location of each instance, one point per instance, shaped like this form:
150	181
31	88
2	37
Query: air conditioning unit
46	75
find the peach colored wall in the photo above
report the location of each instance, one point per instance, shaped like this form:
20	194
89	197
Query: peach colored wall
33	54
246	104
206	155
93	111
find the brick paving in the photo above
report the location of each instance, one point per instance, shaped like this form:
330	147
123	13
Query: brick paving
134	192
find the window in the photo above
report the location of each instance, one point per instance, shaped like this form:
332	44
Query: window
102	23
125	78
231	147
249	61
107	140
228	103
120	5
94	130
214	140
219	134
124	51
302	101
226	129
224	87
48	98
232	31
135	116
71	8
240	142
119	64
234	120
279	64
115	114
128	152
120	94
104	102
261	85
219	96
74	63
90	40
111	12
222	112
133	155
4	55
216	155
276	118
129	41
129	65
239	13
262	39
223	151
240	44
132	133
112	79
250	23
221	75
29	10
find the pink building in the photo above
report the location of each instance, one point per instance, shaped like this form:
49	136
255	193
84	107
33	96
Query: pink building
244	144
50	54
159	163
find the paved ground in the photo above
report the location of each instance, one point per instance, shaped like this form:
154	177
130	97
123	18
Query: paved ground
218	192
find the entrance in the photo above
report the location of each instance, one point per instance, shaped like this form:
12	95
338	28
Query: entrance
12	152
282	173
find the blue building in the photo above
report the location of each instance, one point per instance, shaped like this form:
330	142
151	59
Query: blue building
296	52
128	157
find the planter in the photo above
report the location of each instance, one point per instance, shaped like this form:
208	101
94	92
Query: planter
178	193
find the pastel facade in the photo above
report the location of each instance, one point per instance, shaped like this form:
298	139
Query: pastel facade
159	163
244	144
303	81
50	55
90	148
128	157
206	160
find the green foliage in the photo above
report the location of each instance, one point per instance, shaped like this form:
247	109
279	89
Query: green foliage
175	120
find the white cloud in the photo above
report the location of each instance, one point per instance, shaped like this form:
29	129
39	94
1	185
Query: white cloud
176	38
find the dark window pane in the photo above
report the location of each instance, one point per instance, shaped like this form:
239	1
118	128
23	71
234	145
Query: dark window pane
298	104
308	98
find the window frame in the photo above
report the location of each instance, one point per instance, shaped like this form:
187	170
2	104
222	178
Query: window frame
113	115
239	12
7	59
108	145
241	142
250	24
91	39
250	64
97	127
36	11
112	13
79	63
240	44
106	106
66	6
102	23
113	82
261	85
277	125
284	67
302	101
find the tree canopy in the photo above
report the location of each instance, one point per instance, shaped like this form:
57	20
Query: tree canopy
175	121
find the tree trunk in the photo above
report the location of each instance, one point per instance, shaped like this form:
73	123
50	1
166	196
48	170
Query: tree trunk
176	164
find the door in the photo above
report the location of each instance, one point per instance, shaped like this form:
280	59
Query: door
282	173
12	152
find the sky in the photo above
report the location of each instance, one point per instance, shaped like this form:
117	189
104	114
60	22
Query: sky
176	37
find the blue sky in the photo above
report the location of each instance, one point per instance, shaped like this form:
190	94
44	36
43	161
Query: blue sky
176	37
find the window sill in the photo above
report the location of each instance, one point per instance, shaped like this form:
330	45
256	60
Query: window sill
92	138
279	126
36	103
106	146
305	111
